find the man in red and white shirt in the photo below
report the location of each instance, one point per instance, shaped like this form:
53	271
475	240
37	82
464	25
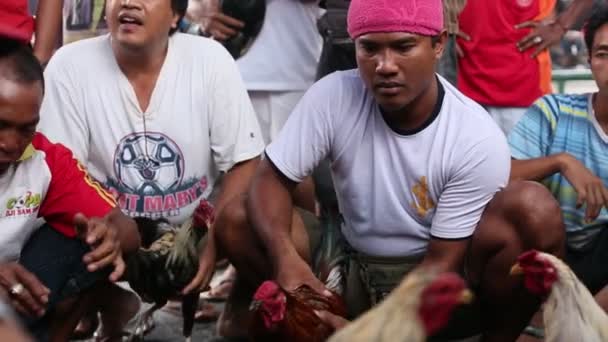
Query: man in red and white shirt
59	230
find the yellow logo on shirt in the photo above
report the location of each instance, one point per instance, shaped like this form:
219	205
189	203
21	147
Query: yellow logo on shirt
423	202
23	205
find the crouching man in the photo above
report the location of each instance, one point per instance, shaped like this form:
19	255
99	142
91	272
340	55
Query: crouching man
47	269
421	175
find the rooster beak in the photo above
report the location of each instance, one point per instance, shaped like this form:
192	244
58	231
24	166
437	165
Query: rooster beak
516	270
466	296
255	304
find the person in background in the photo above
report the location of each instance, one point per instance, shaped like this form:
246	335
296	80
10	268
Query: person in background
46	26
562	141
505	65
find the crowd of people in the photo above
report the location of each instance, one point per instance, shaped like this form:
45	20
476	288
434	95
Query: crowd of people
430	128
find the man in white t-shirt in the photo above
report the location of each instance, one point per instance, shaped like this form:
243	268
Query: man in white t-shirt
158	117
421	176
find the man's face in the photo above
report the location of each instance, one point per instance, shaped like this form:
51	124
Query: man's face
397	67
599	58
138	23
19	107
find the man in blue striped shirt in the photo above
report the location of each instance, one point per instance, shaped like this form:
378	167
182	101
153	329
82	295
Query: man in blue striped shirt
562	141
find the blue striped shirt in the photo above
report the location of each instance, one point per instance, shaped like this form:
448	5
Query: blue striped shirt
564	123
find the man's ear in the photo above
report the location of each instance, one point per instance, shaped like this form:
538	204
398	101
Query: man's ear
439	42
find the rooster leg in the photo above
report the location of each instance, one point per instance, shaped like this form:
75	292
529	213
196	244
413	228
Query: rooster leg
142	322
189	306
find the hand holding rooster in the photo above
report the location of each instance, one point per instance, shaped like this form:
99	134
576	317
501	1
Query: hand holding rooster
105	245
204	216
294	272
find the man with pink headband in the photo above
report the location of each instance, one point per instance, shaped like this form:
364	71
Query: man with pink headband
421	176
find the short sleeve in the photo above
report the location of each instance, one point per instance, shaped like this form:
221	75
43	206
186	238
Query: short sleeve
62	115
483	171
234	129
71	190
306	138
532	135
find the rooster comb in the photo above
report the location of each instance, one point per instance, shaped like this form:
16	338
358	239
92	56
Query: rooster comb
204	214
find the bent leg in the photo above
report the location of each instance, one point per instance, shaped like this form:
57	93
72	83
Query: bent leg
56	261
521	217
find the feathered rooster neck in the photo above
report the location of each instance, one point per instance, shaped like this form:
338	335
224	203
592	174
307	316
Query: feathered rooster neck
399	314
193	230
570	313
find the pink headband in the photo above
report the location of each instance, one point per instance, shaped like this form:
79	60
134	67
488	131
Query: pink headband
424	17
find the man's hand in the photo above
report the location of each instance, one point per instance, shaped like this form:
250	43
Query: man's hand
543	35
214	23
590	188
295	272
332	320
206	265
26	293
105	246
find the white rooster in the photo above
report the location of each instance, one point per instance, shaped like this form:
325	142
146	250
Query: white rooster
570	313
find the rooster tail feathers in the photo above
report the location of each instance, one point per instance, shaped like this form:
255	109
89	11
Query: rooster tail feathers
329	257
185	244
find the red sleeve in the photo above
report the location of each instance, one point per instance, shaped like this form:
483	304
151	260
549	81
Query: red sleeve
71	189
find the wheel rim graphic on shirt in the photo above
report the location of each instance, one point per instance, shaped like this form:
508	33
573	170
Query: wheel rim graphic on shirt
148	163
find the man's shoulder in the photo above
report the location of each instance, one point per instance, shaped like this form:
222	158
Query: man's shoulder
83	55
468	113
564	104
347	83
197	46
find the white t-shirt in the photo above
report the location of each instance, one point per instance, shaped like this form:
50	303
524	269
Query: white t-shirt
395	191
199	122
286	52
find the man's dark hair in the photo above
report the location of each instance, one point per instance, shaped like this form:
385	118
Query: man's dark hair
597	20
20	63
179	7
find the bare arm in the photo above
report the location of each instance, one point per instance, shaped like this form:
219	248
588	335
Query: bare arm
236	182
576	10
48	28
591	190
446	255
536	169
270	207
547	33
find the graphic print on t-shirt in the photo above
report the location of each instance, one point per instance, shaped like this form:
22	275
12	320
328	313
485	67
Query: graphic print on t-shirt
423	202
149	176
22	205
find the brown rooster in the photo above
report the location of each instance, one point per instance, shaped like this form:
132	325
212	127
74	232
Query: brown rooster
167	262
289	316
420	306
570	313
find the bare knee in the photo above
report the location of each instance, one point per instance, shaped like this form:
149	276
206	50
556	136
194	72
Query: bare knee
231	223
535	215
